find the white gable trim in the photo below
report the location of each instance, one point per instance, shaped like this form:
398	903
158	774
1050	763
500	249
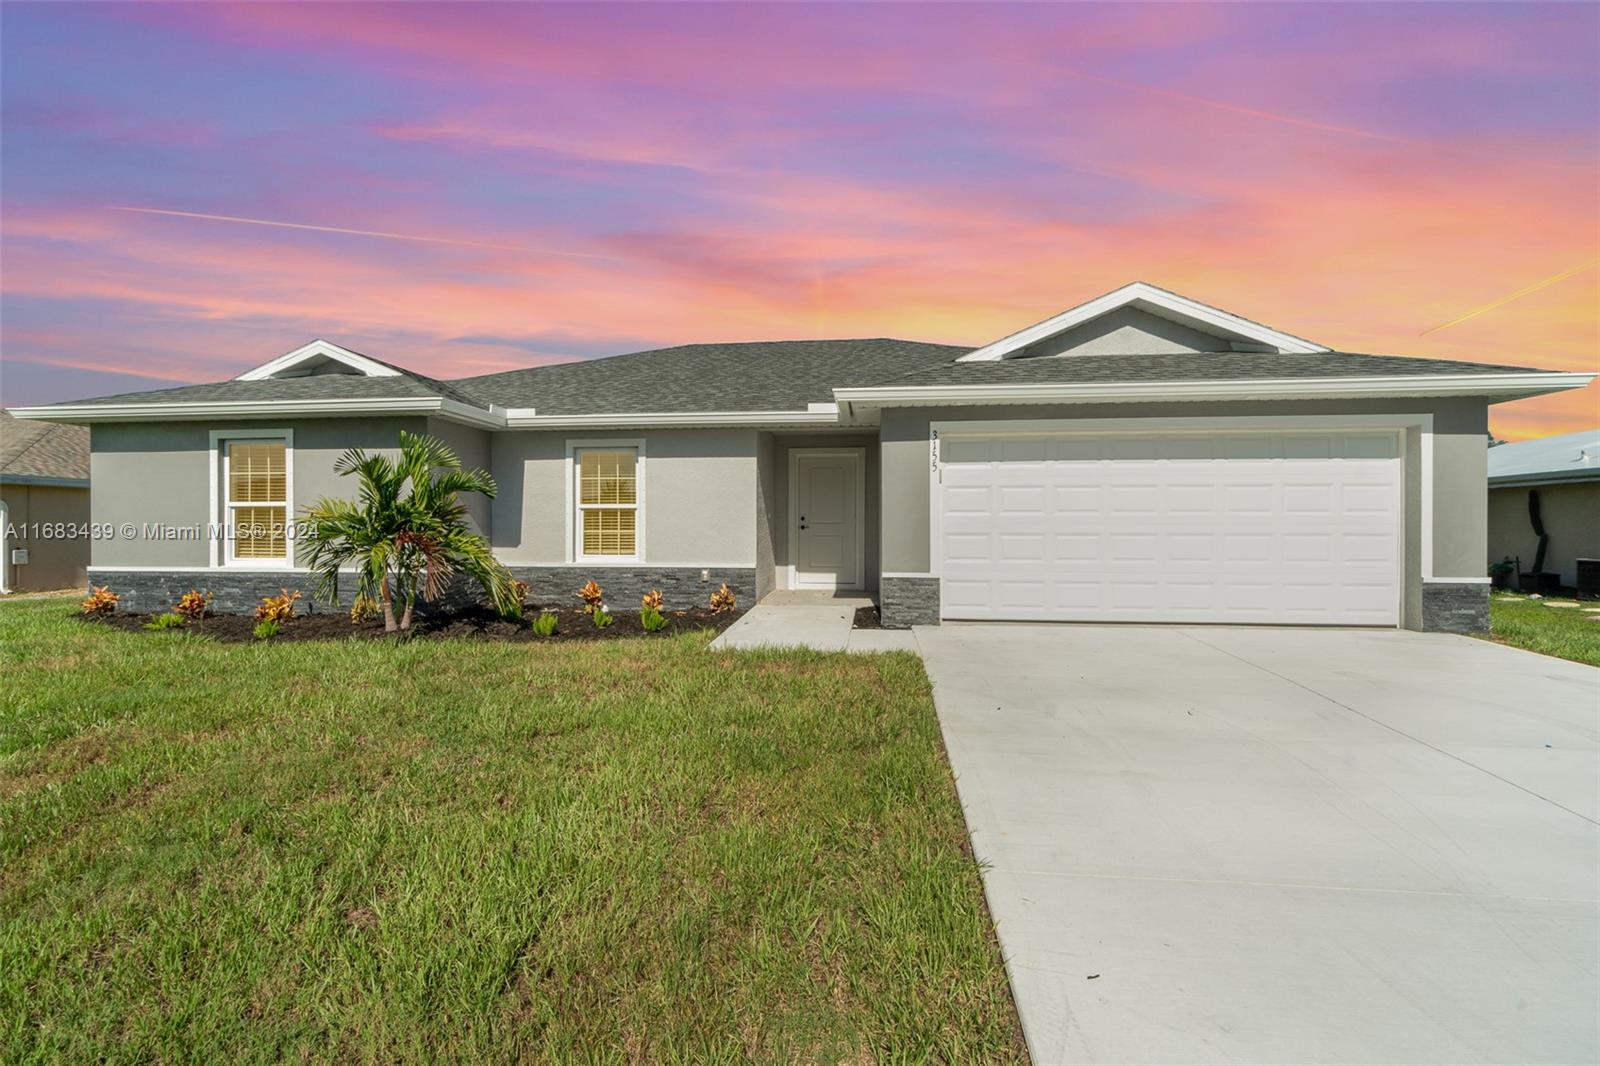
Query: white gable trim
1180	308
319	349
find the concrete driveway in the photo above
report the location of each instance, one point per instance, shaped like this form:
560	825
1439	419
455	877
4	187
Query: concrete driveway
1282	845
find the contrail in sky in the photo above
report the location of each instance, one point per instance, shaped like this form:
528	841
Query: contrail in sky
360	232
1239	109
1519	294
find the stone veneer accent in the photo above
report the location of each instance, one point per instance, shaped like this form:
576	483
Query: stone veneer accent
1455	608
239	591
681	586
233	591
906	601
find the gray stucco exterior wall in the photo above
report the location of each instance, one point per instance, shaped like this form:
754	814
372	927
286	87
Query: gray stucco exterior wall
700	496
1460	429
1126	331
472	448
159	474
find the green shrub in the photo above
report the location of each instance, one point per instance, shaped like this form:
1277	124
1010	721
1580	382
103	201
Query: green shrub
652	620
545	625
170	620
267	628
601	618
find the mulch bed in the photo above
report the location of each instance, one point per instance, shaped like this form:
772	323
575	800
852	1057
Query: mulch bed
474	622
867	618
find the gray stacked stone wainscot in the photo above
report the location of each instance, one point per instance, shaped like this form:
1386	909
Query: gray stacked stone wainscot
233	591
239	591
1450	607
681	586
906	600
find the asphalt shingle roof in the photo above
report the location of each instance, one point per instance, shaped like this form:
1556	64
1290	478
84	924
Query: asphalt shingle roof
43	449
754	376
1187	366
314	387
787	375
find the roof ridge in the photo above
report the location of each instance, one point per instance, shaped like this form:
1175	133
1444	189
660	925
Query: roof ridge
595	360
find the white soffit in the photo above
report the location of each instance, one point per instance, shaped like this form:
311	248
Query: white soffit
1156	301
319	351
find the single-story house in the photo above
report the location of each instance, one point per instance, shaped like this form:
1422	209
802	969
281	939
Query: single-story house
44	505
1142	457
1557	478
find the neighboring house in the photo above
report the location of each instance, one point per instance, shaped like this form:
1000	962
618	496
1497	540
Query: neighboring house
1141	457
44	505
1564	473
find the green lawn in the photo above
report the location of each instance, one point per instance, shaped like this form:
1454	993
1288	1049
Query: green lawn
1567	632
634	851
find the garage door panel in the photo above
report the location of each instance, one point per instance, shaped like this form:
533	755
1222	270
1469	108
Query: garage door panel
1246	527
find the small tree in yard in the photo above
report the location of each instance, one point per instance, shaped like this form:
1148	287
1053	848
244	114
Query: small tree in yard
407	532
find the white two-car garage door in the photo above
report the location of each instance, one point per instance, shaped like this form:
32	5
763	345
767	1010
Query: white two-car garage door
1241	527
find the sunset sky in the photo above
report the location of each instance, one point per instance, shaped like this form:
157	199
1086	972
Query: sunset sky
475	188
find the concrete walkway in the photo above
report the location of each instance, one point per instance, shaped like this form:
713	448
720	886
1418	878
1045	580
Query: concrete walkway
817	620
1282	845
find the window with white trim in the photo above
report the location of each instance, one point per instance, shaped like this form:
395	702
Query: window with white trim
255	479
607	496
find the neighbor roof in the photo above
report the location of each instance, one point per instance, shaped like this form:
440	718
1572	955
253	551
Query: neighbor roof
42	450
1568	457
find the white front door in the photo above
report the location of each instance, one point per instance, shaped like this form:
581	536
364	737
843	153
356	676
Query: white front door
1233	527
825	520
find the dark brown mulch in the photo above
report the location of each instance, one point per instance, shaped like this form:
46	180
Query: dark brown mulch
867	618
474	622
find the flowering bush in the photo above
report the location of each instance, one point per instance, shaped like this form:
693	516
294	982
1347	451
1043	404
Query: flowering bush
277	608
193	605
652	600
722	600
101	601
592	596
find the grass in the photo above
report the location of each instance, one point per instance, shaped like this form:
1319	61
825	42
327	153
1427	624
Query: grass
1565	632
364	851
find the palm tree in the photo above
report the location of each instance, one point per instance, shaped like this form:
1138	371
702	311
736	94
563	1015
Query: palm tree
408	532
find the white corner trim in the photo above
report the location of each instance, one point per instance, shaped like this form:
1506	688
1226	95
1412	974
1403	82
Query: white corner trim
1138	292
573	555
218	468
319	349
1507	386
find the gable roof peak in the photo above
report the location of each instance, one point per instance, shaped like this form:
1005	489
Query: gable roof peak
1154	300
305	360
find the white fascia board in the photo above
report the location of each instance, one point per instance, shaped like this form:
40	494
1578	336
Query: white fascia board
527	418
319	349
214	409
1178	307
45	481
1492	386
